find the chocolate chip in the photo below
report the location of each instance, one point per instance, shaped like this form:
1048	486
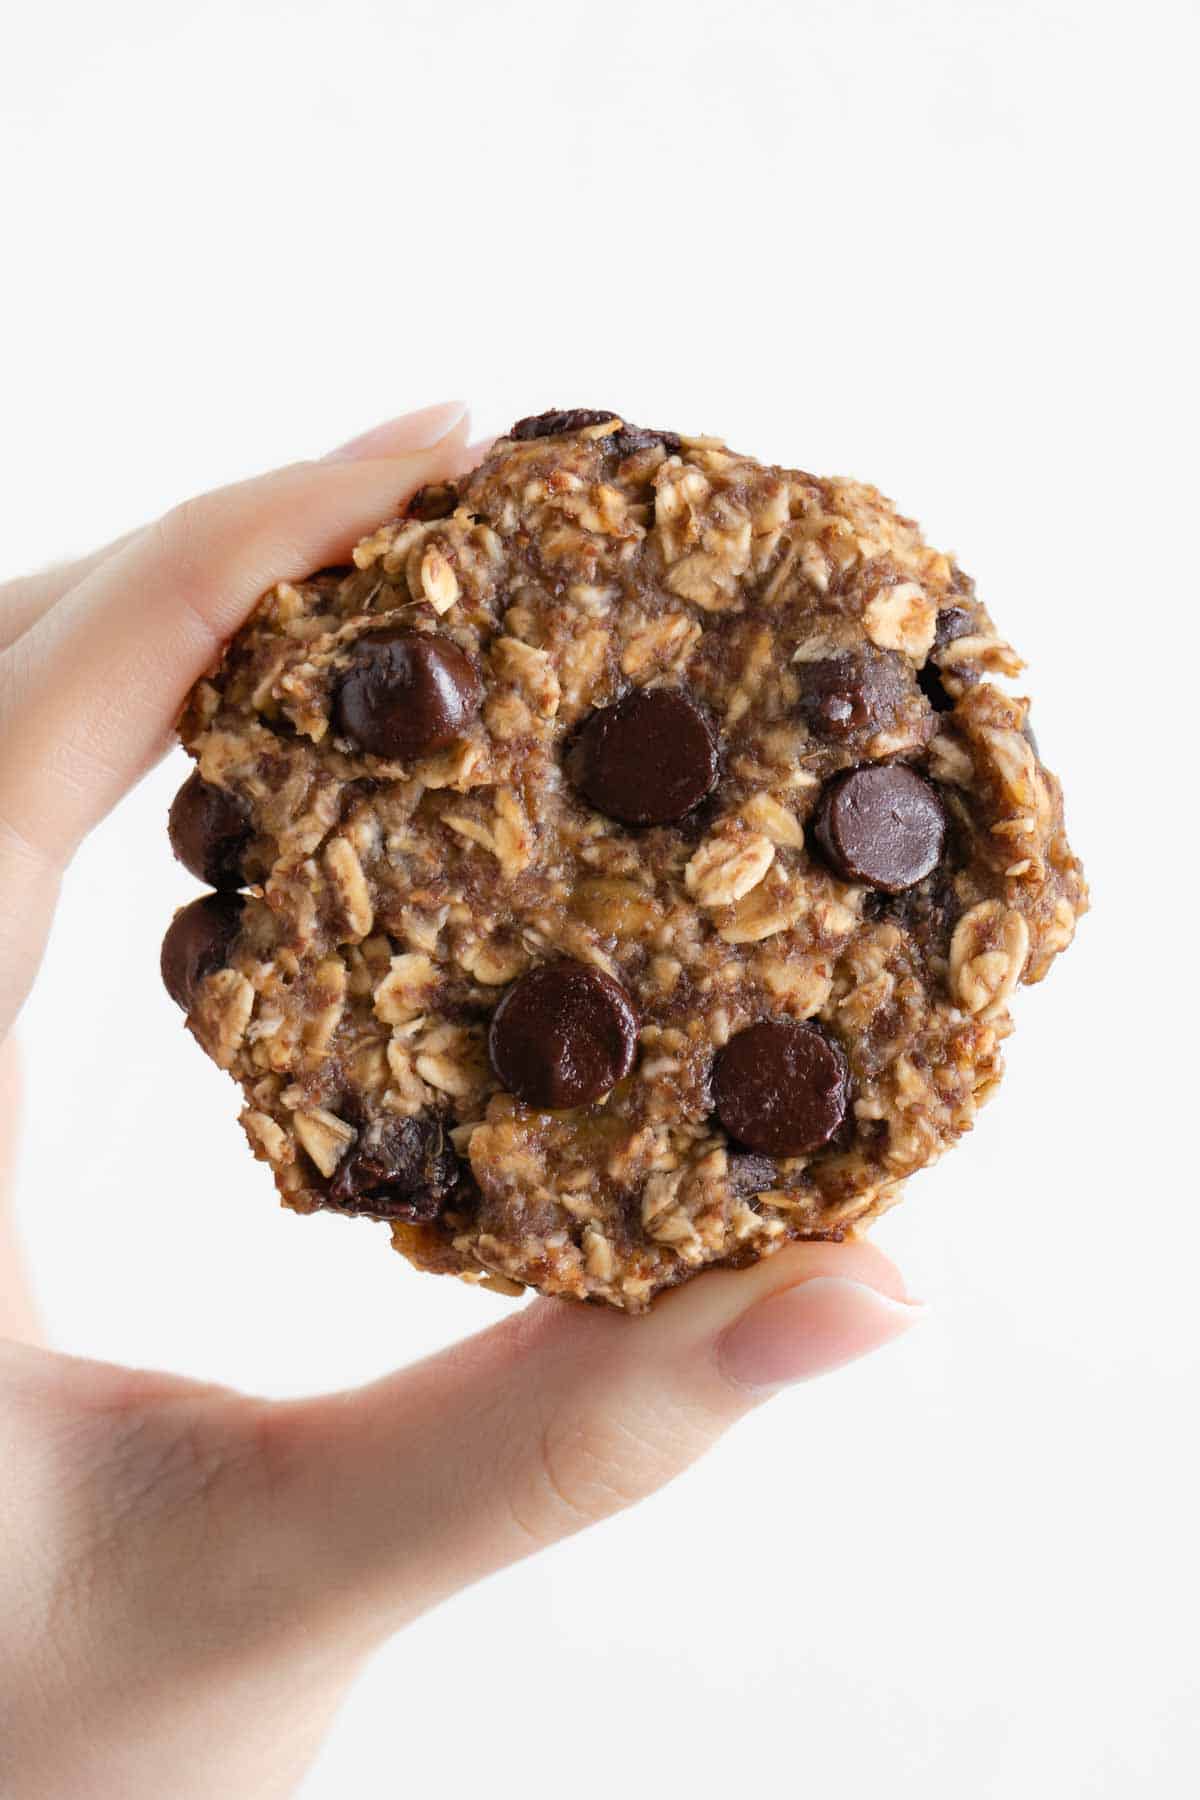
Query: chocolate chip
406	693
858	691
647	760
436	501
209	832
198	941
398	1169
750	1174
563	1035
556	424
884	826
782	1087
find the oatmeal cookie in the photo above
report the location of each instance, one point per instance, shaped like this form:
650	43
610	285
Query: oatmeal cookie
624	867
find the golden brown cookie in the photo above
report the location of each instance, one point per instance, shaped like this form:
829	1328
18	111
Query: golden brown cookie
638	859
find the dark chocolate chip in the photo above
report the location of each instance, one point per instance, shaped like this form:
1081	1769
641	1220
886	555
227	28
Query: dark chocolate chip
436	501
782	1087
398	1169
751	1174
858	691
638	437
647	760
557	424
198	941
881	825
563	1035
209	831
406	693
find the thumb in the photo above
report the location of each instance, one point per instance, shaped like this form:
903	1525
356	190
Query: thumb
395	1496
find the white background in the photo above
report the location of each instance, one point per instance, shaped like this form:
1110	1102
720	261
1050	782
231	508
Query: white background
942	247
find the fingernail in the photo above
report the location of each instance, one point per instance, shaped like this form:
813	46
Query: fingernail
810	1329
401	437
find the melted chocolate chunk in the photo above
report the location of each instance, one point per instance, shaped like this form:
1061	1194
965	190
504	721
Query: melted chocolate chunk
928	912
563	1035
198	941
406	693
952	622
882	825
858	691
209	830
620	443
436	501
398	1169
556	424
648	760
781	1087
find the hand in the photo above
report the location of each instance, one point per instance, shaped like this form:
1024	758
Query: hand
189	1578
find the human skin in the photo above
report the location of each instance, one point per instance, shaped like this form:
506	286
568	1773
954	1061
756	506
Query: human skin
190	1578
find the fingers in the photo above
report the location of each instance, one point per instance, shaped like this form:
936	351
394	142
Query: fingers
394	1497
23	601
89	694
17	1318
93	689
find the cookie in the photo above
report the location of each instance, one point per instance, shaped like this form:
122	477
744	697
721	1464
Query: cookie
621	869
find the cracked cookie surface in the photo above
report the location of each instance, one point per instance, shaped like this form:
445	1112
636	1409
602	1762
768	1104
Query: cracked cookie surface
639	858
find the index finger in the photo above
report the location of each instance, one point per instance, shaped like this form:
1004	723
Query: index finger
89	694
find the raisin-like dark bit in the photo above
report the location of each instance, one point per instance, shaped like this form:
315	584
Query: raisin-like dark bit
435	501
620	443
928	913
398	1169
556	424
629	438
952	622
